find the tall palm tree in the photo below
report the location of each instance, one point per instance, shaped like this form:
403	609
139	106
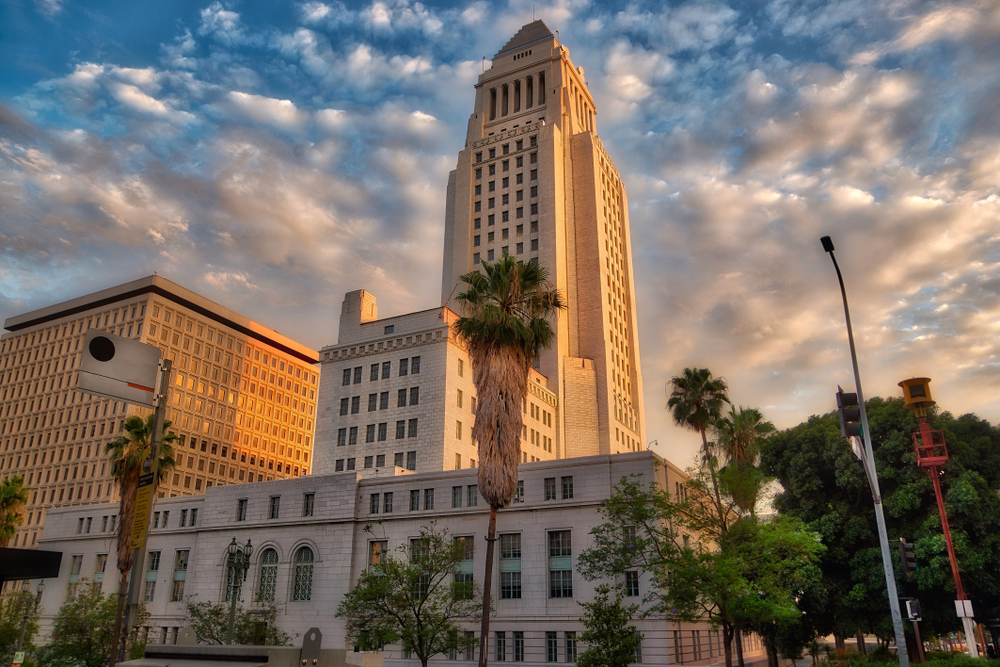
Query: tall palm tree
505	328
696	400
739	437
127	454
13	498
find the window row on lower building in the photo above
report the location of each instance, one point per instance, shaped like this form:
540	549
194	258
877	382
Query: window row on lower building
406	460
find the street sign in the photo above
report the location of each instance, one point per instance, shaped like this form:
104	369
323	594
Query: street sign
143	506
913	610
963	609
119	367
18	658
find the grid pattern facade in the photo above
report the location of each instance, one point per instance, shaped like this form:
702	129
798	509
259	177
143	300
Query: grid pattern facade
243	409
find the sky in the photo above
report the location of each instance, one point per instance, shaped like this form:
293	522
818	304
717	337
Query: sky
273	156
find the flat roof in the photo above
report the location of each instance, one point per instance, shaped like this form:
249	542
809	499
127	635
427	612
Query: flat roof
171	291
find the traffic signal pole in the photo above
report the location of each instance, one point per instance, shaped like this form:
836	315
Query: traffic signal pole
890	578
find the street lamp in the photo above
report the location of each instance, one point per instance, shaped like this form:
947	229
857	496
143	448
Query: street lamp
237	564
867	457
25	587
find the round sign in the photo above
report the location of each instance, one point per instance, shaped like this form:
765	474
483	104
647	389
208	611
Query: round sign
102	348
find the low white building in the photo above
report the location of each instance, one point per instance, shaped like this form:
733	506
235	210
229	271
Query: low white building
310	544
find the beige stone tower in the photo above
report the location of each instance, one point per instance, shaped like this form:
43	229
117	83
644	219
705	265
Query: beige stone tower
534	180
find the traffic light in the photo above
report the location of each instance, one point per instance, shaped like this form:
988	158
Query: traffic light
849	412
907	557
913	610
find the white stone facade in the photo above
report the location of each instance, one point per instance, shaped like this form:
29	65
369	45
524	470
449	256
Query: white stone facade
341	507
367	417
534	181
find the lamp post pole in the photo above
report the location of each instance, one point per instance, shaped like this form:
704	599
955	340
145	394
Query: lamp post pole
237	563
883	539
25	587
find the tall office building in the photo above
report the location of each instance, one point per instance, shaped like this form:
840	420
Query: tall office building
534	181
242	397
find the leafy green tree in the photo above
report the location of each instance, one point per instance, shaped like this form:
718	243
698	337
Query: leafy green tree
825	487
127	455
505	327
611	640
210	622
83	630
12	615
740	569
740	434
13	497
413	598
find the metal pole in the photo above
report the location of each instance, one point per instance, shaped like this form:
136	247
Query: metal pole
890	578
139	554
920	642
24	622
233	592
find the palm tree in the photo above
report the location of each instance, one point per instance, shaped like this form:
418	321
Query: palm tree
696	400
127	455
13	498
505	328
739	436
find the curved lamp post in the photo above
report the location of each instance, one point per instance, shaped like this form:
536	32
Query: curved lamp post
25	587
237	564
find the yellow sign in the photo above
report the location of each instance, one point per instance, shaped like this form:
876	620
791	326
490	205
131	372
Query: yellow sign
18	658
143	506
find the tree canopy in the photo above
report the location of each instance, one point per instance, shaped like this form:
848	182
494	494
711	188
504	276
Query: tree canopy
210	622
611	640
13	497
414	597
825	487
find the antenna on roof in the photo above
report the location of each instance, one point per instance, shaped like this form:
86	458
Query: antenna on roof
532	12
557	36
484	63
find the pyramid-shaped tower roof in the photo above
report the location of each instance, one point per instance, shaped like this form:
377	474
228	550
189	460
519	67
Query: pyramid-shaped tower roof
533	32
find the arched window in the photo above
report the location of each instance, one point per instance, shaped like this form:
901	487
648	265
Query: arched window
268	575
303	580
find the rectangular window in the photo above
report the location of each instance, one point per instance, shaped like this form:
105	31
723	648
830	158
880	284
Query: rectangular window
194	517
458	398
241	510
456	496
379	460
414	500
357	375
550	488
355	405
570	647
520	248
520	161
347	376
383	401
631	583
489	255
534	244
534	174
510	566
374	503
560	564
377	551
472	497
401	398
339	466
551	647
534	209
387	502
386	368
519	492
415	365
383	429
352	435
404	367
345	406
274	507
180	575
351	464
428	499
476	241
400	429
411	460
567	488
341	437
374	371
373	401
476	259
414	394
308	503
518	646
501	642
151	574
411	428
458	430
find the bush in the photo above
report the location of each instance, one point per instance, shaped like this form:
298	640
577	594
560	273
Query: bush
882	654
937	655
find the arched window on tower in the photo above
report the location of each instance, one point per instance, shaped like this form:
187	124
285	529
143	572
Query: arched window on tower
303	576
268	578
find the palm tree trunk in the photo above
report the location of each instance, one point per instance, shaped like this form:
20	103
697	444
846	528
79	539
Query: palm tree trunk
118	619
484	634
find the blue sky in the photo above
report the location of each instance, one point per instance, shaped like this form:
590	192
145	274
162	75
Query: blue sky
273	156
